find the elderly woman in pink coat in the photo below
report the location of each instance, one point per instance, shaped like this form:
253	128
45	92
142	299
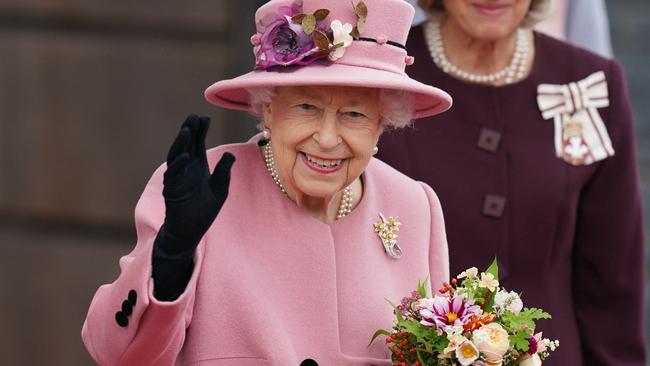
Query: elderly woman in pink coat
274	259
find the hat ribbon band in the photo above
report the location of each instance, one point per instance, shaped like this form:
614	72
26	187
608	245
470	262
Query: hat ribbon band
392	43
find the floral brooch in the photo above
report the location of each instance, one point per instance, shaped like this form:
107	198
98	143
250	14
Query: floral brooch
387	230
296	38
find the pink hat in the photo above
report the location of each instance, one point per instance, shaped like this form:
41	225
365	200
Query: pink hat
357	43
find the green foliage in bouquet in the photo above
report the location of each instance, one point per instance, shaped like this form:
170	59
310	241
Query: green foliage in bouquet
472	321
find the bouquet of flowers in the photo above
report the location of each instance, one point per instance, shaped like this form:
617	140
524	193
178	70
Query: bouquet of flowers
472	321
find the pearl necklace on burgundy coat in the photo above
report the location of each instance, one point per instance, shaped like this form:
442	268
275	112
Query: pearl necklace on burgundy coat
514	72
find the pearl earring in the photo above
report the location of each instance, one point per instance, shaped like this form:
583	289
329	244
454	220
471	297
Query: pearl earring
375	150
266	134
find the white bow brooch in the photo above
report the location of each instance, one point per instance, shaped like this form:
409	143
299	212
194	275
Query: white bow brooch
580	134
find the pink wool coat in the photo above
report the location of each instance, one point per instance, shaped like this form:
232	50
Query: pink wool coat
271	284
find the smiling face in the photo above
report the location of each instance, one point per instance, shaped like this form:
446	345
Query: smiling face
487	19
322	137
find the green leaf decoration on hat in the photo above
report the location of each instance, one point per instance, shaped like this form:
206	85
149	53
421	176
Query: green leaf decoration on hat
321	14
309	24
320	40
308	21
297	19
361	10
355	33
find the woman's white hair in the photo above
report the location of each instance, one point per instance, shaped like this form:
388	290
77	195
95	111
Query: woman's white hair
396	106
538	11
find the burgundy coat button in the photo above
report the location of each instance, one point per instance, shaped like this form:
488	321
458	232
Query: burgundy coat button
308	362
489	140
494	205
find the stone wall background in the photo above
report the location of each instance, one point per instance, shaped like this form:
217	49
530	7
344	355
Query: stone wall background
91	95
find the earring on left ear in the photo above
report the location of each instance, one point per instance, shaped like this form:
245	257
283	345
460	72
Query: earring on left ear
266	134
375	150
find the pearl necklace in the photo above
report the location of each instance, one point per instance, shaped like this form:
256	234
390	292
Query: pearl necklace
345	206
515	71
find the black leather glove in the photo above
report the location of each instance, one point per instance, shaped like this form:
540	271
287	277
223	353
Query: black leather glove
193	198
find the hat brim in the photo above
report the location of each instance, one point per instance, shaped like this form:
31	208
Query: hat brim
232	93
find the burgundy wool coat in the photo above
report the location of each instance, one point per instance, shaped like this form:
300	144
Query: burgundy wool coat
569	238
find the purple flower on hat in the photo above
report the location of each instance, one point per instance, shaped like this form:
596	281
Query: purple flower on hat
285	43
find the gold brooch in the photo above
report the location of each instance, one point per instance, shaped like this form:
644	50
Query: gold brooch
387	231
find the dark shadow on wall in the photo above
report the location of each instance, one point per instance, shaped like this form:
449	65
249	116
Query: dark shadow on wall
630	27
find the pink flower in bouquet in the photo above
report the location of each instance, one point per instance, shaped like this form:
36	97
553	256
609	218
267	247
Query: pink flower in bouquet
444	312
536	344
406	306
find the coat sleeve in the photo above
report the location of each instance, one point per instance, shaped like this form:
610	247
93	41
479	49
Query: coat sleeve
152	332
438	250
608	256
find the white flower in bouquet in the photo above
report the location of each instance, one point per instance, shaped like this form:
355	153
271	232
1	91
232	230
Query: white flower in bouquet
507	301
492	341
549	344
452	330
455	340
470	273
423	303
488	281
467	353
533	360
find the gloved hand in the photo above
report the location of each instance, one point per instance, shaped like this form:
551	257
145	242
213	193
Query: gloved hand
193	197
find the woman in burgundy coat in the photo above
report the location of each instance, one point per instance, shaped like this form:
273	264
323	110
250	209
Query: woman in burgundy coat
535	163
